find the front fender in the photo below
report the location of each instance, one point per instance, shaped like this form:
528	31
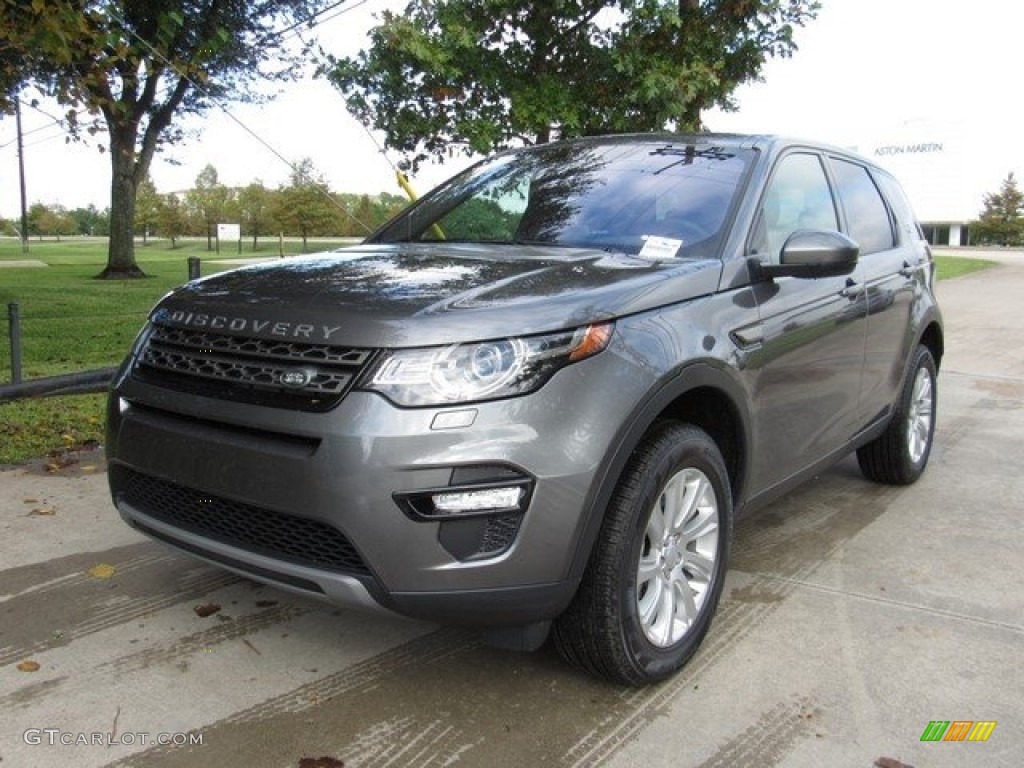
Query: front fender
664	400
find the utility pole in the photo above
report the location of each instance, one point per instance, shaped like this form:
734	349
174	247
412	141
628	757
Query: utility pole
21	177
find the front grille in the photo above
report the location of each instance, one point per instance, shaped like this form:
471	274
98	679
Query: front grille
261	531
249	370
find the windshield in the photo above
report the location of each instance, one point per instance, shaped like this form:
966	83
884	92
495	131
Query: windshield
638	197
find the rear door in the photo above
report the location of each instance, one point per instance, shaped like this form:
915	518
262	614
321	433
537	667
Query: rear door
892	262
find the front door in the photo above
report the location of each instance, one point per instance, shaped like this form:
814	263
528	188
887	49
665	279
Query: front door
812	333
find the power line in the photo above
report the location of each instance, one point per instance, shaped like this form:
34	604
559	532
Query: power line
227	112
321	12
57	123
278	34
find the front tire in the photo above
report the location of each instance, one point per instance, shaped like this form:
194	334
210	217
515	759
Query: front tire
899	455
656	574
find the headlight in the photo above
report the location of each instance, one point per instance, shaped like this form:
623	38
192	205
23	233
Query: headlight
487	370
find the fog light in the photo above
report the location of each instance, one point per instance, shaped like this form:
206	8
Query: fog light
484	500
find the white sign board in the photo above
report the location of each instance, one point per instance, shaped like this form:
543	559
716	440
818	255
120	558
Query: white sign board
229	232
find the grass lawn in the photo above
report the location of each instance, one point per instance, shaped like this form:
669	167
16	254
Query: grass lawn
73	322
957	266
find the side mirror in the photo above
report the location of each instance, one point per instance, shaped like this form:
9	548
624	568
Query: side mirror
813	253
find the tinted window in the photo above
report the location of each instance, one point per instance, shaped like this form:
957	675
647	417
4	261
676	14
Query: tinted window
797	197
609	196
907	226
866	215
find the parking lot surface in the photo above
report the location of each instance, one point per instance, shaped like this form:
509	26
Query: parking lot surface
854	616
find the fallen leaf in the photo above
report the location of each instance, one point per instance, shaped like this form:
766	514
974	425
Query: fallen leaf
43	512
31	501
28	666
202	611
102	571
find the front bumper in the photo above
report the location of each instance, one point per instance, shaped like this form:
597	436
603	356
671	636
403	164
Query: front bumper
344	473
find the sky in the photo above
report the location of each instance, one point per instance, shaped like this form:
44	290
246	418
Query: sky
867	73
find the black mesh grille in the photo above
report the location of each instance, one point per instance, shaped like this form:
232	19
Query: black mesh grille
261	531
250	370
501	530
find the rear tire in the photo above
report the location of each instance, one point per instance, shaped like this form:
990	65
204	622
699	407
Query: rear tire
656	573
899	455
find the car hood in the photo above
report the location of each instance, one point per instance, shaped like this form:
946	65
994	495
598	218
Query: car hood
424	294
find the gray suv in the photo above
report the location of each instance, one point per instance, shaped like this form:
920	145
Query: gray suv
535	402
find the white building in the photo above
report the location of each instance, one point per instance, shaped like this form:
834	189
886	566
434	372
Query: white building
931	161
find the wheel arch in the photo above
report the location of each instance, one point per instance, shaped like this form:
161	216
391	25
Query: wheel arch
932	338
704	394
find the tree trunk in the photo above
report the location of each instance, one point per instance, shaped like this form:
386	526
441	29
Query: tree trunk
691	118
121	254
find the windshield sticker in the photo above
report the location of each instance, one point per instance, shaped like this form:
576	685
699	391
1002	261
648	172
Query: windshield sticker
660	247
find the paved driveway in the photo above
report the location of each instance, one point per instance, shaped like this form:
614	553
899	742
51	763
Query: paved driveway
853	616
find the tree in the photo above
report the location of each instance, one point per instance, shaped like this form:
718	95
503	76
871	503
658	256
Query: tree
171	218
89	221
50	221
147	208
304	207
138	64
485	74
358	215
254	203
15	69
38	220
207	201
1002	219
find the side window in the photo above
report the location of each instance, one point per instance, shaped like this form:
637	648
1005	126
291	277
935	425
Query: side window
866	215
797	197
907	226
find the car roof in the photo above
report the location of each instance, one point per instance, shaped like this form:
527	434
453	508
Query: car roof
769	144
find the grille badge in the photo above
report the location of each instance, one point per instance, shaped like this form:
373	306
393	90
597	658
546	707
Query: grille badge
297	377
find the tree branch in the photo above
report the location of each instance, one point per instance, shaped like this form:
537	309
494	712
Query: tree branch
159	121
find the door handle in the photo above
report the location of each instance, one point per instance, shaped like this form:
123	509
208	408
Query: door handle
853	289
908	269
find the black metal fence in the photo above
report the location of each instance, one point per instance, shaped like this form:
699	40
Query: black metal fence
79	382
